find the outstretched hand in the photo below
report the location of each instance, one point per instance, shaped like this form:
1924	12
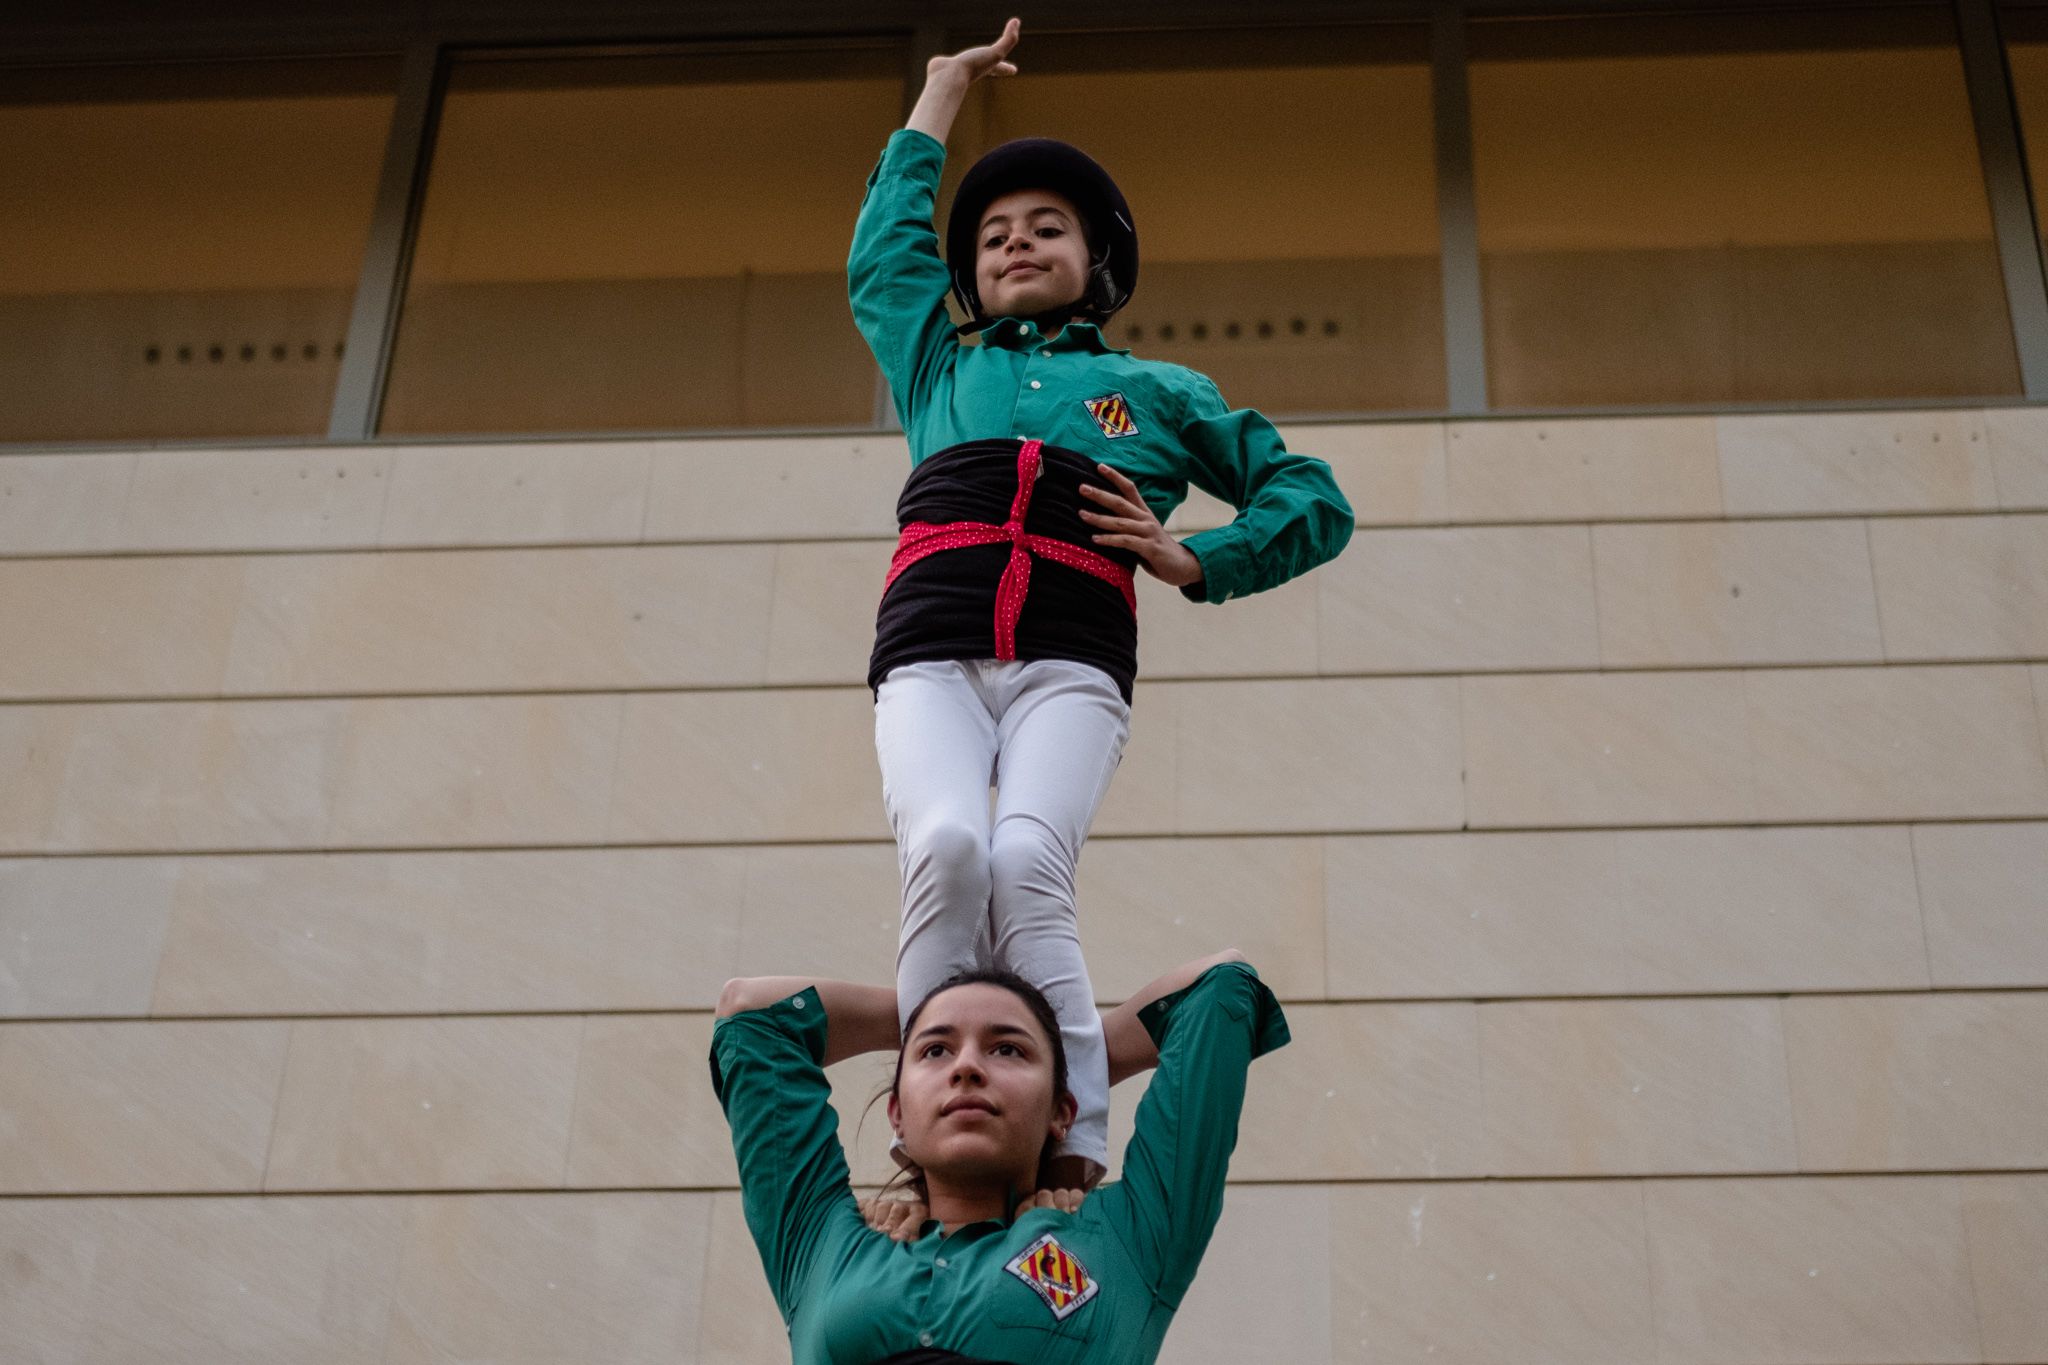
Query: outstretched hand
972	63
1129	524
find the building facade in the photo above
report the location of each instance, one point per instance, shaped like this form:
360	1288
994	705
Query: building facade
442	505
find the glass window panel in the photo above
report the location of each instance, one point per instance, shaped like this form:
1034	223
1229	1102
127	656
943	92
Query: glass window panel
1283	182
644	242
1705	209
2026	54
182	245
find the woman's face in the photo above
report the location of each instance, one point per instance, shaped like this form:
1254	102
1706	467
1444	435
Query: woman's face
974	1101
1030	257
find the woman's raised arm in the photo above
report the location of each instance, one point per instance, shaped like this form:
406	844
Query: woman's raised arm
1131	1049
863	1018
857	1018
1171	1192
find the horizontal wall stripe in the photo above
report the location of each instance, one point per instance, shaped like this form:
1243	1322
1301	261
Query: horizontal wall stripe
1784	746
1655	597
1799	909
1508	470
1381	1091
1784	1271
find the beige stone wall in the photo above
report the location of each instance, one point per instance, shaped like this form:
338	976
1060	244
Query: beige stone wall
1646	821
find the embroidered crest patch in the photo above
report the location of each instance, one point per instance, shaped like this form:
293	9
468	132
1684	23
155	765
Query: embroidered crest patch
1056	1275
1112	414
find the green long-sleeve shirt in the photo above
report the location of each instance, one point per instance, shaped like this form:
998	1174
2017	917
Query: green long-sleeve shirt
1052	1288
1171	429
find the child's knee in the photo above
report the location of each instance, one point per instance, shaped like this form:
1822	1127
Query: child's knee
1024	855
950	852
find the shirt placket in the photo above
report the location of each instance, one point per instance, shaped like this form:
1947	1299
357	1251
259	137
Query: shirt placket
1033	405
943	1279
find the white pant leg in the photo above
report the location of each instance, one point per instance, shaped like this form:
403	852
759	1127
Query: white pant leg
936	740
1061	730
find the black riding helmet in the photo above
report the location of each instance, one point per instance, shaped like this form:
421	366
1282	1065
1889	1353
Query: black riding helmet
1044	163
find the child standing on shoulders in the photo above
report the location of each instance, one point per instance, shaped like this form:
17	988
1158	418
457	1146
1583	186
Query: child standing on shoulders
1043	461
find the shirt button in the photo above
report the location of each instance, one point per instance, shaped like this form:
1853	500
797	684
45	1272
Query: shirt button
1046	354
941	1263
1036	385
924	1338
797	1003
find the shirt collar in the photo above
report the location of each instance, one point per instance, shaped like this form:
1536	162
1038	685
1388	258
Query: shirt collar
966	1232
1021	334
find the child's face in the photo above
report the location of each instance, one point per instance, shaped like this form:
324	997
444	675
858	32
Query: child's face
1030	257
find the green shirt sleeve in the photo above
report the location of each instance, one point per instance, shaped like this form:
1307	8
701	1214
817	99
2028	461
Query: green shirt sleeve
1291	515
896	279
1170	1194
766	1072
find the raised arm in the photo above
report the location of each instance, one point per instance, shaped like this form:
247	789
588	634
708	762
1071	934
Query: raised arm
863	1018
1131	1048
946	80
857	1018
897	280
1171	1193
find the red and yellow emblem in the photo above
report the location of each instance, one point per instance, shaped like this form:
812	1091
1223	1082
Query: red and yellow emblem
1112	414
1056	1275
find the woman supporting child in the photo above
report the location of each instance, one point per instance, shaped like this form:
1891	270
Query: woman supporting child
1043	463
979	1098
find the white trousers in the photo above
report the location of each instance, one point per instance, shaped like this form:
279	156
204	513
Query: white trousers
985	886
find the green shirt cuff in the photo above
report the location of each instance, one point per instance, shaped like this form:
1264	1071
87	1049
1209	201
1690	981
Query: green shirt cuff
911	155
799	1019
1233	987
1225	564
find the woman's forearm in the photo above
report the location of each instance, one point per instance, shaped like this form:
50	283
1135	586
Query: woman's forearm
1131	1049
857	1018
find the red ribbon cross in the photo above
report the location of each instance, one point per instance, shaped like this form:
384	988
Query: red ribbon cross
924	538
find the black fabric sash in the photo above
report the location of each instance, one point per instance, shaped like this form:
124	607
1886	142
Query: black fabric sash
943	606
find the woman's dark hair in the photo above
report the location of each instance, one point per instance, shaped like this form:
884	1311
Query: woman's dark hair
1041	1010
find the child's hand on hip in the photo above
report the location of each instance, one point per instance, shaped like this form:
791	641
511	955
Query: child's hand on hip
1130	525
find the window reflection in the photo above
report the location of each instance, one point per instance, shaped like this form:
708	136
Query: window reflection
644	243
1733	208
182	245
2026	53
1284	186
